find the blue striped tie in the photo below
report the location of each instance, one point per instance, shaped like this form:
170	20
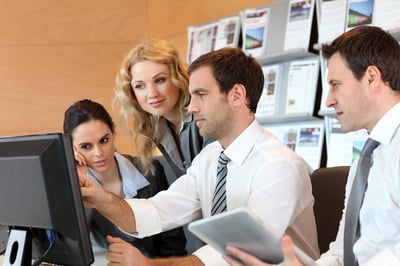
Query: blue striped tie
219	199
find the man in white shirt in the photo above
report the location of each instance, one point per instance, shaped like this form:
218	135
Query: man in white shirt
264	175
364	78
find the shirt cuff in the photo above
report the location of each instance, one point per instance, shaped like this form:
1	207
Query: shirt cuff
384	257
210	256
146	216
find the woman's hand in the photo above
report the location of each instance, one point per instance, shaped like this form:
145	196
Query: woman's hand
80	160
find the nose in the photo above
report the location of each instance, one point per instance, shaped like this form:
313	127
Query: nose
153	90
98	151
192	108
330	100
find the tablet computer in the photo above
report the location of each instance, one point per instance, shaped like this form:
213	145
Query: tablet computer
240	229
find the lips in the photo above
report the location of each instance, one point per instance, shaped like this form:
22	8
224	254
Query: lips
156	103
338	113
199	121
100	163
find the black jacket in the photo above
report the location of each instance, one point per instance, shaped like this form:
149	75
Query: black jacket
169	243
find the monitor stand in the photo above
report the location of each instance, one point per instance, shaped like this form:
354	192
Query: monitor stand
19	248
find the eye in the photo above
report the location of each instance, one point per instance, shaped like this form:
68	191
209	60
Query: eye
138	86
104	140
200	94
85	146
334	85
160	80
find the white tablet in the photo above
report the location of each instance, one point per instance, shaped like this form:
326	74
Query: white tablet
240	229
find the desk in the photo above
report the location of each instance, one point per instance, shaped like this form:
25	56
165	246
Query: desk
99	258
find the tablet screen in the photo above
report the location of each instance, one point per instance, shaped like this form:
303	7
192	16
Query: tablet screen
239	228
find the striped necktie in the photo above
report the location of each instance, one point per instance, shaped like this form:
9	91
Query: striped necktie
355	201
219	199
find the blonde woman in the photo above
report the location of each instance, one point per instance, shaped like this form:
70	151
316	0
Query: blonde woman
152	98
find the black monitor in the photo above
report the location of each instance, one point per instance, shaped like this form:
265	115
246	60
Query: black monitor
40	196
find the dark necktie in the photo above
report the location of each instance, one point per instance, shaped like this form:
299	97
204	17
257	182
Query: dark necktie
219	199
355	201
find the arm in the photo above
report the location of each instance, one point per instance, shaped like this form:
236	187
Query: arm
168	243
108	204
122	253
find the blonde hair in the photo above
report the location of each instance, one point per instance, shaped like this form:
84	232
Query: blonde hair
141	125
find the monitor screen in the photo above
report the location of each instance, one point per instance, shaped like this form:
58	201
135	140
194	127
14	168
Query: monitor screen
40	193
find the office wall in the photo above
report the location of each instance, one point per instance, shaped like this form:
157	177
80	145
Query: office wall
53	53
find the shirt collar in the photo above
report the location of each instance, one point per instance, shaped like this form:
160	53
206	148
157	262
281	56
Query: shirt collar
386	127
239	149
132	178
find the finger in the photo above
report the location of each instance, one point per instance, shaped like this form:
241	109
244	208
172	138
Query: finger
80	159
288	250
111	240
232	261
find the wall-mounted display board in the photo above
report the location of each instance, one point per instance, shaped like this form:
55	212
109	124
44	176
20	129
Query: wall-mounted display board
305	138
290	90
280	31
291	30
337	16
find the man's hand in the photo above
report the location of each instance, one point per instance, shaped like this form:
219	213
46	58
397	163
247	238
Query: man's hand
92	194
246	259
123	253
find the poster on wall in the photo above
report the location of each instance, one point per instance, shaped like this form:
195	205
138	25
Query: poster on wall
217	34
359	12
255	30
201	40
344	148
305	138
299	22
301	86
332	19
387	14
268	100
228	32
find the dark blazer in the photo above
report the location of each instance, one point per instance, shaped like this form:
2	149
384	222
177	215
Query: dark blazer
169	243
191	143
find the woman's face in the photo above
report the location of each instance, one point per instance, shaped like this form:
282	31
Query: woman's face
94	142
154	90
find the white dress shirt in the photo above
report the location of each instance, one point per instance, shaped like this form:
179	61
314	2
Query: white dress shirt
379	242
263	175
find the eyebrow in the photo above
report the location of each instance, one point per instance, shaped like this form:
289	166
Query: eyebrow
86	143
331	81
153	77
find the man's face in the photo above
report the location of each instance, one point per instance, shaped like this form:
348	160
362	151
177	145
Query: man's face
347	95
209	106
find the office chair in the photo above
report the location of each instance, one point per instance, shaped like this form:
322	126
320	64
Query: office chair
328	188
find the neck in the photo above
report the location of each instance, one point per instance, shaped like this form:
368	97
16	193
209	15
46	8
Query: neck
111	179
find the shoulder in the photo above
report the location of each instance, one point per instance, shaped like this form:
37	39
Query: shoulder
133	160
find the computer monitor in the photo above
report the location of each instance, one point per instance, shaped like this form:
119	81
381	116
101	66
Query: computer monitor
40	195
